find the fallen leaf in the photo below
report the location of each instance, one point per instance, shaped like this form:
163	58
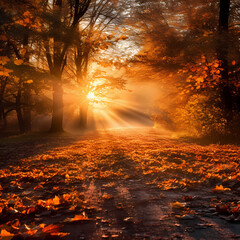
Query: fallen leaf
128	219
77	218
220	188
18	62
42	225
188	217
7	235
56	200
115	236
51	228
107	196
16	224
66	197
177	205
60	234
105	236
31	232
67	176
38	187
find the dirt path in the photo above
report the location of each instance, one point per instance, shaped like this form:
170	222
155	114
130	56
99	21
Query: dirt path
118	184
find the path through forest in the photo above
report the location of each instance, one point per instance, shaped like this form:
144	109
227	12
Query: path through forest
118	184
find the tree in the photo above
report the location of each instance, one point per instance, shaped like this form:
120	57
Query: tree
188	50
92	41
62	19
19	28
11	45
223	50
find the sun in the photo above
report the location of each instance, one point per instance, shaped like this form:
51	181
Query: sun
91	96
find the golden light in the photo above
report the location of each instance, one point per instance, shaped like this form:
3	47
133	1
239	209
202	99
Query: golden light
91	96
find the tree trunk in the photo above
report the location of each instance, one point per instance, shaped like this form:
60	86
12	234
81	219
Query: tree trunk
223	58
5	121
27	108
26	93
1	111
1	115
19	112
2	91
83	115
58	57
57	114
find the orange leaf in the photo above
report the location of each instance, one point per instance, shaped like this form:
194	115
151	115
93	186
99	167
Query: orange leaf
56	200
233	62
51	229
107	196
38	187
66	197
122	37
31	232
67	176
42	225
178	205
4	60
60	234
5	233
220	188
77	218
30	210
72	207
16	224
18	62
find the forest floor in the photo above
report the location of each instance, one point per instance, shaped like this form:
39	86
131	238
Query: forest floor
118	184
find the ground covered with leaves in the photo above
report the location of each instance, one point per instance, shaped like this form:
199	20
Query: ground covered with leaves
118	184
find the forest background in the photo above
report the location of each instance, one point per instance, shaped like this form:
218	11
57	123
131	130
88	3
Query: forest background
68	64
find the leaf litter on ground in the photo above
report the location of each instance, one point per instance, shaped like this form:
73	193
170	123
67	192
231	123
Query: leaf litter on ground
51	183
